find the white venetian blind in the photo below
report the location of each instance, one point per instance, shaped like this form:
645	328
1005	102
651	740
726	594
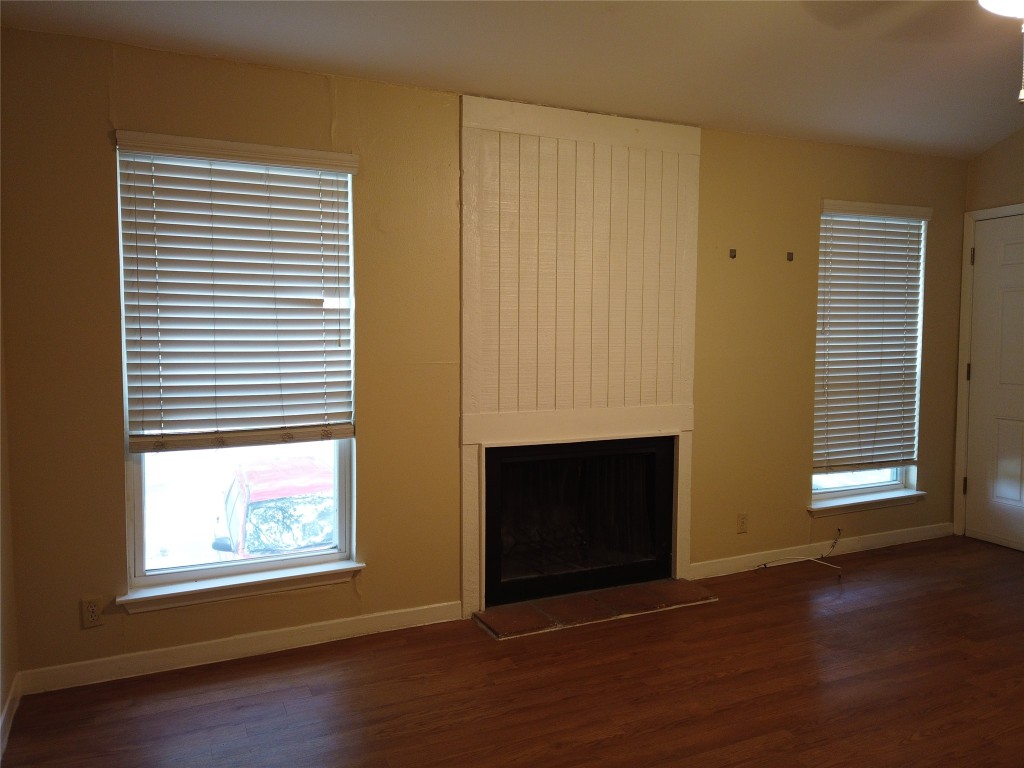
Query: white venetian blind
237	287
867	362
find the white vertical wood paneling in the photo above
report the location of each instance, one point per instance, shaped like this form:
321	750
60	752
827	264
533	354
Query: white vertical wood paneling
686	283
472	157
618	236
488	226
565	283
583	275
651	277
635	275
547	255
578	276
529	158
599	295
667	277
508	273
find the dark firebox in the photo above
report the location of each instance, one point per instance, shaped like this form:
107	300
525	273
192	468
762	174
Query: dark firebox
570	517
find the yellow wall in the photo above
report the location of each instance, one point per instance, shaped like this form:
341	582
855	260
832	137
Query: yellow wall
754	380
62	99
996	177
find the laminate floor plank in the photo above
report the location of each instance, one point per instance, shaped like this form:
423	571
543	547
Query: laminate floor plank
912	658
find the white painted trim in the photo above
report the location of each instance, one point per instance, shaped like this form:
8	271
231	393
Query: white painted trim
683	518
517	117
225	649
211	590
963	386
535	427
162	144
727	565
473	545
10	708
963	391
877	209
997	213
841	505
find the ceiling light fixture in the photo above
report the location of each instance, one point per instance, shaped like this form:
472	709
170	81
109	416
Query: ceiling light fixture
1013	9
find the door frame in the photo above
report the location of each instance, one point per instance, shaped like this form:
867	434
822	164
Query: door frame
963	390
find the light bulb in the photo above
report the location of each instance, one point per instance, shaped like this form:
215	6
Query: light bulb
1012	8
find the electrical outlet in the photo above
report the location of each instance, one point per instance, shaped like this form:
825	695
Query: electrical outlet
741	522
91	612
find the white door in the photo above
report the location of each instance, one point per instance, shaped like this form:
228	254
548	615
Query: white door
995	435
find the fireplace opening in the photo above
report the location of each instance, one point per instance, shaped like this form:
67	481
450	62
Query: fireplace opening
570	517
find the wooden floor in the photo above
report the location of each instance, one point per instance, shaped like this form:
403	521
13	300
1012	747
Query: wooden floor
914	658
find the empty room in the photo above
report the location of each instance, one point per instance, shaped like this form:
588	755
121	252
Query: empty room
472	383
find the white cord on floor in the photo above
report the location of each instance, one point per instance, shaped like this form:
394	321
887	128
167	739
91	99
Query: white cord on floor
798	559
821	559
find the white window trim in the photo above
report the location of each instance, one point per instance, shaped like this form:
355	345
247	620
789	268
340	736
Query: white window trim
175	587
852	489
843	501
227	586
139	578
134	141
903	491
204	584
858	502
877	209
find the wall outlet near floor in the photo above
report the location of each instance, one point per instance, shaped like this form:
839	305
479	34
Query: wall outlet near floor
91	612
741	522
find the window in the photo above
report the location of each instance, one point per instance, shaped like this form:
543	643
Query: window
868	353
237	316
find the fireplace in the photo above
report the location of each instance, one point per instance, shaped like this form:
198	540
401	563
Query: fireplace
569	517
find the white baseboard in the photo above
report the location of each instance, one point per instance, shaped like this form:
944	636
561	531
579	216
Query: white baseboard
240	646
10	706
727	565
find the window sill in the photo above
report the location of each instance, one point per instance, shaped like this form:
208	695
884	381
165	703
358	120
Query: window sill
155	598
840	505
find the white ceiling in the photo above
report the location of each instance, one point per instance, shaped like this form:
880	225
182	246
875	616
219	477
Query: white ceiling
931	77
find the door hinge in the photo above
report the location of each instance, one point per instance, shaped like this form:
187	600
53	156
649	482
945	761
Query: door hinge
965	486
968	371
972	256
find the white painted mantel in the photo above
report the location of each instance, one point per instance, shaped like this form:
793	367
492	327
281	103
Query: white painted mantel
579	245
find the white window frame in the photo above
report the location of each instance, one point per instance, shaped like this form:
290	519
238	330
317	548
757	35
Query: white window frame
162	588
898	480
903	489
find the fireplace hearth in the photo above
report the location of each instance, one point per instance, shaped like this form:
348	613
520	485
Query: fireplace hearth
569	517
